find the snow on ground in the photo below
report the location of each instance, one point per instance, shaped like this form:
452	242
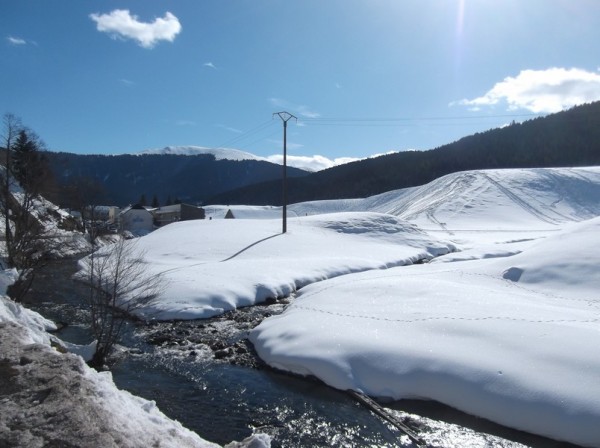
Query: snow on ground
243	211
506	339
473	207
505	329
54	398
36	324
213	266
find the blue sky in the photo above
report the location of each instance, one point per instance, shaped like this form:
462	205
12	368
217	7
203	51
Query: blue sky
363	77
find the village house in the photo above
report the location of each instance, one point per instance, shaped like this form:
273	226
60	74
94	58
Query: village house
137	220
177	212
113	215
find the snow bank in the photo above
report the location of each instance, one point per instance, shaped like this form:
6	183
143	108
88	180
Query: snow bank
37	325
562	263
511	339
56	398
210	267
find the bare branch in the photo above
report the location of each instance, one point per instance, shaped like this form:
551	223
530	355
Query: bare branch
119	285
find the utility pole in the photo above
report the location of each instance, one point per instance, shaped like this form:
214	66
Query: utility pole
285	117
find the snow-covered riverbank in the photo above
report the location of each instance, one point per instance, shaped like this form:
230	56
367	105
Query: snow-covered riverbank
51	397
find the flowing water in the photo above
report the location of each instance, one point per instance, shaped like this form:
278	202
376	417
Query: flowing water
172	364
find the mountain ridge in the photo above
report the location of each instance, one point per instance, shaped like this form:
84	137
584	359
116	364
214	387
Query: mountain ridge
192	150
204	175
124	179
568	138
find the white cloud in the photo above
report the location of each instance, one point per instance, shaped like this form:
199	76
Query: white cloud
541	91
209	65
121	23
299	109
307	113
317	162
309	163
291	146
230	129
16	40
185	123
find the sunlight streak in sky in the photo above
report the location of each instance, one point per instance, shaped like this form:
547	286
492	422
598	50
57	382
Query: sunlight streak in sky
460	21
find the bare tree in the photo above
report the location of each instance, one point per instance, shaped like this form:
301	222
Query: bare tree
11	125
119	284
29	242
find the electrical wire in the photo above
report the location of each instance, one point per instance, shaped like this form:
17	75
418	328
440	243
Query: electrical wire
258	128
399	121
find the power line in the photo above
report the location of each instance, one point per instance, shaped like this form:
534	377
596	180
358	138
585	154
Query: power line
259	140
245	135
336	120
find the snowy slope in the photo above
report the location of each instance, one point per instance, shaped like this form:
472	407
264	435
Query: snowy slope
215	265
511	198
212	266
514	198
512	339
485	207
219	153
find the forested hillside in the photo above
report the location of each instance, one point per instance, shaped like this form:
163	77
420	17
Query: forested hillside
123	179
569	138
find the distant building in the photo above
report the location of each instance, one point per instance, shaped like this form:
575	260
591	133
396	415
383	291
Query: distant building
229	215
96	212
178	212
137	220
113	215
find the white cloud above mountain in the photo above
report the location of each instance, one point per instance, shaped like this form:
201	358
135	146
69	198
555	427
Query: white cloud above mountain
310	163
120	23
541	91
316	162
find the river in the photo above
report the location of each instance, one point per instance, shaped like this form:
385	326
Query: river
229	398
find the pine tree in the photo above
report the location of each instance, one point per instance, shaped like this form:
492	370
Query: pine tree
29	166
155	203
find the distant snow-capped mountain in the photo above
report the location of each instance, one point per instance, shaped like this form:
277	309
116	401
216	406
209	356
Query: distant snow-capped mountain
218	153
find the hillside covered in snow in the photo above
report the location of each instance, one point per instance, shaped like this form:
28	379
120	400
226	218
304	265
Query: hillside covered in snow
500	321
217	153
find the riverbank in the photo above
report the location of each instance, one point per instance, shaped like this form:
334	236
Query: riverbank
206	375
52	398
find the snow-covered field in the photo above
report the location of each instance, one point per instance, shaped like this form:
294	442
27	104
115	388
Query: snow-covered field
512	339
505	328
213	266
